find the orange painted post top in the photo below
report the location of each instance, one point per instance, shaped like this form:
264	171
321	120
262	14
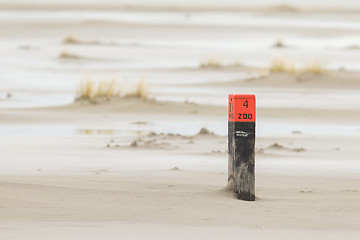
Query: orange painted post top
242	108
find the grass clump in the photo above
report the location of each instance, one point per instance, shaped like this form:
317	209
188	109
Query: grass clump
313	67
99	90
280	65
139	91
71	39
215	63
91	89
279	43
66	55
211	63
205	131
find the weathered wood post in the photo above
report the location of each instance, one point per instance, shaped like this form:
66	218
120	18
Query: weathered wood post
241	145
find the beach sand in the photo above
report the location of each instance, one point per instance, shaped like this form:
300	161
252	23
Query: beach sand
129	168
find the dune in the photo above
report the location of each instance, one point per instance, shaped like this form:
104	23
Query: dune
327	80
147	106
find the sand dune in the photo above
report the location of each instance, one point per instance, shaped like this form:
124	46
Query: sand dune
187	6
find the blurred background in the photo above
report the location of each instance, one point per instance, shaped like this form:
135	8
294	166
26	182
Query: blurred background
300	58
49	47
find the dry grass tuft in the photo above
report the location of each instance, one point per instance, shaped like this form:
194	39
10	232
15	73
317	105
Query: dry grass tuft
313	67
205	131
139	91
71	39
95	90
211	63
66	55
91	89
280	65
216	63
279	43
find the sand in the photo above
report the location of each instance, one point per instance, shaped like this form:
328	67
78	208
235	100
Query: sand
133	169
171	186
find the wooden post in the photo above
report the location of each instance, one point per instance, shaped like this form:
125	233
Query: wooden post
241	145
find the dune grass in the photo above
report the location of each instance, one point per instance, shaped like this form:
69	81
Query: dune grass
211	62
216	63
280	65
71	39
139	91
92	89
66	55
313	67
95	90
279	43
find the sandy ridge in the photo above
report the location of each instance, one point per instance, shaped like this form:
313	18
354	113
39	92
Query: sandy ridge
174	8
